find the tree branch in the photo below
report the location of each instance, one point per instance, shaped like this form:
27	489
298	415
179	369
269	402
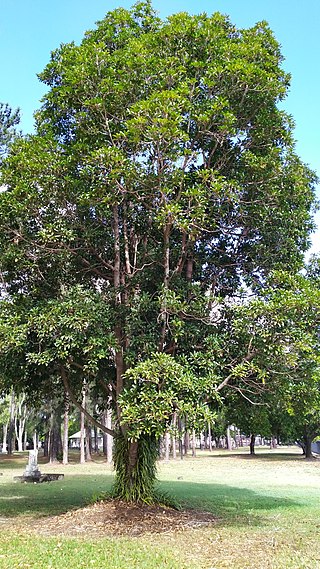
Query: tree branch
80	407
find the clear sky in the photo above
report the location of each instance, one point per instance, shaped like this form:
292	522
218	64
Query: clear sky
31	29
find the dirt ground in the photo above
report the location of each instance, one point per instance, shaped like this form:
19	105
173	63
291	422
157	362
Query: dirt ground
116	518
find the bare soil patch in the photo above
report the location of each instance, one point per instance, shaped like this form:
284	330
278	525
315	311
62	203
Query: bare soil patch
116	518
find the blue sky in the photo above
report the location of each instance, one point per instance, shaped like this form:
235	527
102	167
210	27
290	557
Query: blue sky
31	29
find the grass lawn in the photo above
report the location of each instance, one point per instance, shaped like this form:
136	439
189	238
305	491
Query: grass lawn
267	509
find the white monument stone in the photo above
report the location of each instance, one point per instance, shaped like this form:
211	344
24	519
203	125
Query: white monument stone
32	469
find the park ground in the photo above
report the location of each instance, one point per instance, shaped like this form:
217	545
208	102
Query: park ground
237	512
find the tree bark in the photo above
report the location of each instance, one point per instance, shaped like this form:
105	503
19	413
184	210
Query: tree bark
166	266
252	443
35	439
55	445
119	359
46	444
186	442
167	446
25	439
82	434
20	421
307	442
180	439
96	444
229	439
109	437
209	437
65	444
193	443
174	442
11	429
88	444
4	440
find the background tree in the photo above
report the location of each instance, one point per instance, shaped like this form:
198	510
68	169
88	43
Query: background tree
9	119
290	316
304	410
252	419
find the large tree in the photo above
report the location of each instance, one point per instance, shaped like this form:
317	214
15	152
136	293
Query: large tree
162	175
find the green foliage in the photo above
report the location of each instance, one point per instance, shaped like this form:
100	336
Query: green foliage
73	330
284	329
155	389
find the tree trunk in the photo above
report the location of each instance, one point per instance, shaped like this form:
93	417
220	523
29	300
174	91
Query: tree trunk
135	465
25	439
229	439
35	439
307	441
167	446
104	440
55	444
174	442
20	421
46	444
88	445
82	439
65	444
11	429
273	442
107	439
82	428
252	443
180	439
186	442
210	437
181	448
19	435
96	445
193	443
4	440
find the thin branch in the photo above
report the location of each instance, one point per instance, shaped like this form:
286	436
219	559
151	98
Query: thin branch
230	376
247	398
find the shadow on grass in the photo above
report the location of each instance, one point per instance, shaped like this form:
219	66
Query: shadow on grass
51	498
230	504
12	461
267	456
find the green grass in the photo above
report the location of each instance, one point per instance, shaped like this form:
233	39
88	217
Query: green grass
47	553
268	511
